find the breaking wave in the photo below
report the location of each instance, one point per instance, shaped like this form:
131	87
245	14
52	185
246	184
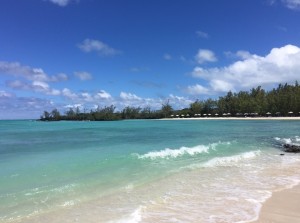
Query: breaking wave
293	140
226	161
173	153
231	160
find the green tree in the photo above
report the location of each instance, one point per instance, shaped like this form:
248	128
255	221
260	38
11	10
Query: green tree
166	109
46	116
131	112
55	115
196	107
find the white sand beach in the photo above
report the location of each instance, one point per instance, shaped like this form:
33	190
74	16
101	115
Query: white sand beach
235	118
282	207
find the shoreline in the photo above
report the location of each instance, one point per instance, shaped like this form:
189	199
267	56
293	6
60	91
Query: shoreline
235	118
282	207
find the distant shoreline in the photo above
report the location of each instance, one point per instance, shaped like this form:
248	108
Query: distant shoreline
235	118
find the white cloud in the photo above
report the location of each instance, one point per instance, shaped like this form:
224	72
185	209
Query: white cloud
60	77
202	34
129	99
102	95
197	90
36	86
74	106
82	75
69	94
129	96
179	102
243	54
61	3
205	55
86	97
29	73
167	56
4	94
221	86
292	4
90	45
281	65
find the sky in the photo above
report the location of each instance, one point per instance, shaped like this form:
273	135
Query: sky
87	53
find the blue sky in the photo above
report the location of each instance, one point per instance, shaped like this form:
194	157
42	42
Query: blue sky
89	53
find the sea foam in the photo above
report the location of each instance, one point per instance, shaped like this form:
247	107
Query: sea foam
231	160
225	161
293	140
135	216
173	153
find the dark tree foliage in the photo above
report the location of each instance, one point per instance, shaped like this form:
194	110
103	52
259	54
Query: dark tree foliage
166	109
281	101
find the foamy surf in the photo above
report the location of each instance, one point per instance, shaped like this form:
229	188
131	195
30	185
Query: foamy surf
231	160
100	180
292	140
134	217
227	160
174	153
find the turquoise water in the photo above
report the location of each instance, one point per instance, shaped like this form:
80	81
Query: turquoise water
138	167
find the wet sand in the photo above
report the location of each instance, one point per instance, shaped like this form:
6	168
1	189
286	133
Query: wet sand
282	207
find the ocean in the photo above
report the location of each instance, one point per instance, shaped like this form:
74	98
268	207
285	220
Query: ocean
143	170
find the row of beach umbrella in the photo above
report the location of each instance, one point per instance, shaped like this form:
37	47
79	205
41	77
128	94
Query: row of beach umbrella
229	114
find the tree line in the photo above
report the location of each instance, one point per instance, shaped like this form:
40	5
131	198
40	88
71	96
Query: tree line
107	113
281	101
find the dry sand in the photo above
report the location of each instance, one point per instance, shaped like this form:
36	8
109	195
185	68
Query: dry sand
282	207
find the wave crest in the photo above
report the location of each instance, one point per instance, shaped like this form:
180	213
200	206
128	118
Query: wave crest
293	140
231	160
173	153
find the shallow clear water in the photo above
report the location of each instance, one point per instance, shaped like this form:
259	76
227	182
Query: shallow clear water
143	171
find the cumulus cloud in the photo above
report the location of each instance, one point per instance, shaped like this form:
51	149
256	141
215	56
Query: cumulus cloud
34	74
221	86
69	94
202	34
103	95
82	75
86	97
36	86
292	4
281	65
179	102
61	3
129	96
205	55
91	45
197	90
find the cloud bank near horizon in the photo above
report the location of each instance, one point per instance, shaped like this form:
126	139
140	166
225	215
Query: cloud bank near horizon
280	65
